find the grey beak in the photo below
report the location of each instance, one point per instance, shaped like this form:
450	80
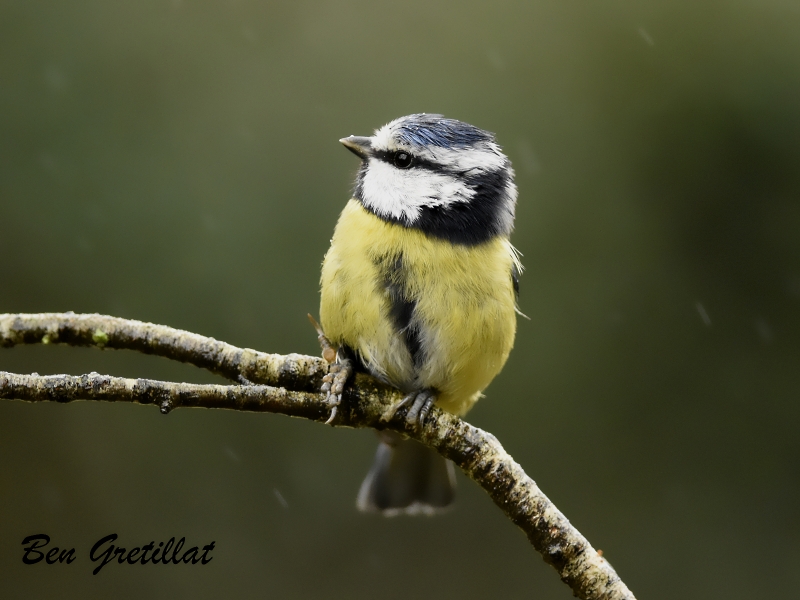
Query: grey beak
360	146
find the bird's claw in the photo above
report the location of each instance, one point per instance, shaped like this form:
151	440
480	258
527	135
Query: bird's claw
334	410
389	413
421	404
333	385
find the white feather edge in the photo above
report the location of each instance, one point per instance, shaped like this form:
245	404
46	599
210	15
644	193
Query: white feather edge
516	259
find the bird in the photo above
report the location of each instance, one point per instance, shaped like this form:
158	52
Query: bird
419	289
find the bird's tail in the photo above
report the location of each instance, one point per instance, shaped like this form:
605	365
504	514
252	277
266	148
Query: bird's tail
406	478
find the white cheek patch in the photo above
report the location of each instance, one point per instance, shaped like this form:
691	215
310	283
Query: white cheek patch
401	194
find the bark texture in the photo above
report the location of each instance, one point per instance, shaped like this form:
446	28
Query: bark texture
288	386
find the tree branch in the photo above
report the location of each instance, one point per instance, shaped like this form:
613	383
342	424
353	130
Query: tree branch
291	378
293	371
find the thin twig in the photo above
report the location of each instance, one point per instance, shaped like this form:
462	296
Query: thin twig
476	452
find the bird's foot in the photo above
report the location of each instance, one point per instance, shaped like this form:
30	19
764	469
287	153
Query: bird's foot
333	384
339	371
421	403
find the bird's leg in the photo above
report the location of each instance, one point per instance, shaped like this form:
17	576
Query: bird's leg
328	352
421	404
338	373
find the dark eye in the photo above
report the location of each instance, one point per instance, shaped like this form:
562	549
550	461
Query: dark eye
403	160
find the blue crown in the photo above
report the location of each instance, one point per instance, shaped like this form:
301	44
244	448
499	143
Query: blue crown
434	130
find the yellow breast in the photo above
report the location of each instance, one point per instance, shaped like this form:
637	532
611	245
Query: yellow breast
463	306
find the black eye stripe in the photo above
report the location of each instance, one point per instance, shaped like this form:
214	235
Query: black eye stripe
417	162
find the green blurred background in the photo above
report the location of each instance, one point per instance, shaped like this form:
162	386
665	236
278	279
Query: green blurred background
177	162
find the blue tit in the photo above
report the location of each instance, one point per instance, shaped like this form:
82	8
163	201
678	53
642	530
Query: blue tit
419	288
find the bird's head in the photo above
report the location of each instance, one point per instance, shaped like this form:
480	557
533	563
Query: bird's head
442	176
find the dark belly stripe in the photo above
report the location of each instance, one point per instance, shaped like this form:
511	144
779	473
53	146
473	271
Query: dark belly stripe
401	304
